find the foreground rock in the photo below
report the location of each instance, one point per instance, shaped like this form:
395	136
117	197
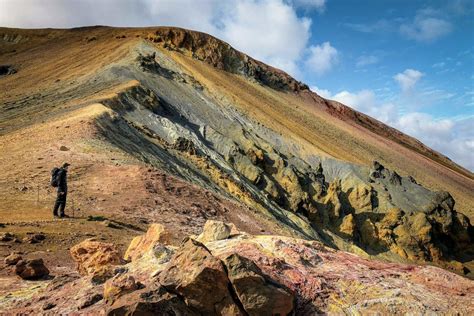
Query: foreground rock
96	259
257	295
256	275
214	230
200	278
119	286
142	244
31	269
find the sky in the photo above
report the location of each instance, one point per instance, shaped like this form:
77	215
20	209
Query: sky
406	63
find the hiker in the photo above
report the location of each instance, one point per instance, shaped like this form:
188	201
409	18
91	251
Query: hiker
59	180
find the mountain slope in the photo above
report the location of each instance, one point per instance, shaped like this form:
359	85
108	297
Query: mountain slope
192	106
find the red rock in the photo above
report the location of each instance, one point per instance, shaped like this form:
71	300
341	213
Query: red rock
31	269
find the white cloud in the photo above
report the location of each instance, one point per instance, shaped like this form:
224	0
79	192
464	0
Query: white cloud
322	92
365	101
366	60
322	58
452	137
267	30
408	79
427	26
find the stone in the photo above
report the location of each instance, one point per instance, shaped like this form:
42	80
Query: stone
140	245
12	259
32	269
48	306
214	230
119	285
95	258
6	70
6	236
63	148
35	238
257	295
195	274
91	300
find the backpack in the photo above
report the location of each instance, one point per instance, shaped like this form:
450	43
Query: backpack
55	177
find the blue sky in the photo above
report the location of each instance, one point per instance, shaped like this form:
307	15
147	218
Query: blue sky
406	63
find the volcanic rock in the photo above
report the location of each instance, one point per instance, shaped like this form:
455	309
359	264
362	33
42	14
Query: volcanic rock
31	269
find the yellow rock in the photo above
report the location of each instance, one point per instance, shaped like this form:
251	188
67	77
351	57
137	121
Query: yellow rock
141	244
348	226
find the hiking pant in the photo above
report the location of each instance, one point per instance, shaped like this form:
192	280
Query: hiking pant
60	204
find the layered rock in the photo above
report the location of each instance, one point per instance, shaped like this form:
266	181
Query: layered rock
222	56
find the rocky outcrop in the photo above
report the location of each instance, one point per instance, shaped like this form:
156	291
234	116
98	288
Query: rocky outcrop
222	56
31	269
328	196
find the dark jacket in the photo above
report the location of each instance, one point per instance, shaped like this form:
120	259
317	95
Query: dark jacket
62	180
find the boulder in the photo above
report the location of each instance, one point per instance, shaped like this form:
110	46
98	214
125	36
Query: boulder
200	278
12	259
31	269
156	233
95	258
257	295
214	230
120	285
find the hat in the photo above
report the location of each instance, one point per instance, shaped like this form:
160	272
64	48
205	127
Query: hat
66	164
